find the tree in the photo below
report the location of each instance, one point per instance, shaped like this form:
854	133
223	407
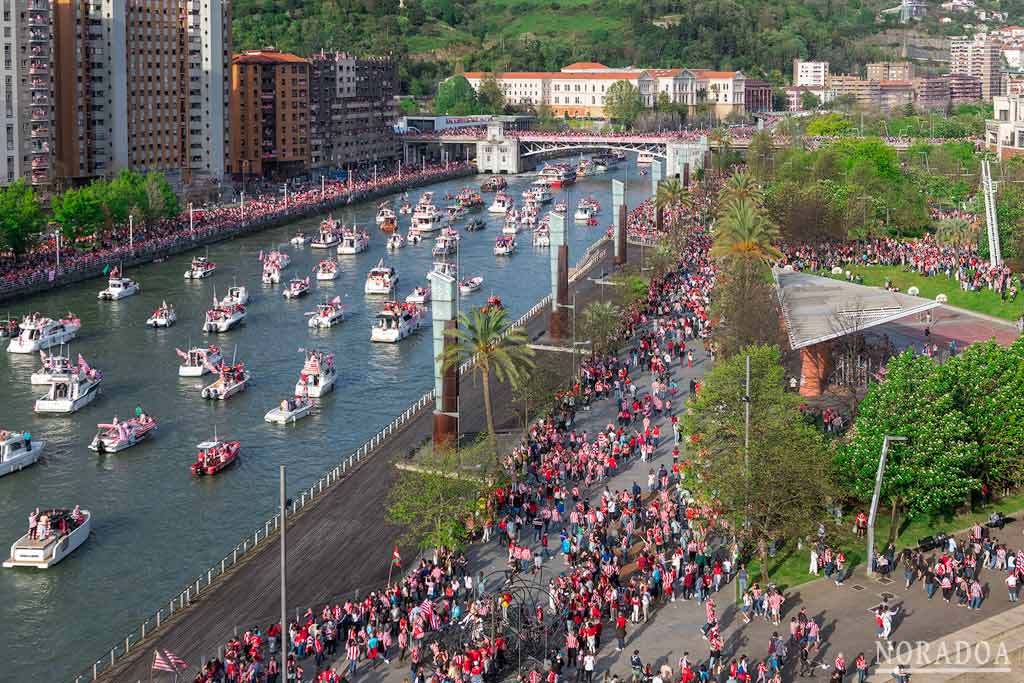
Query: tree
78	211
601	323
744	232
456	97
746	308
622	102
672	197
492	346
739	186
809	101
160	200
829	125
490	97
761	155
21	217
931	471
537	391
663	103
778	488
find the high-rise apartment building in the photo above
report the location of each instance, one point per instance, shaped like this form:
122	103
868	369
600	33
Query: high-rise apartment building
981	58
890	71
269	114
810	74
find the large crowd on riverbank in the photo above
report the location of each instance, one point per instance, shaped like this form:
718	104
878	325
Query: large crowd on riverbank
117	244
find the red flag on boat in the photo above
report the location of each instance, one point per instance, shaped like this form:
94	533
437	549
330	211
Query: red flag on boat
396	557
181	354
335	301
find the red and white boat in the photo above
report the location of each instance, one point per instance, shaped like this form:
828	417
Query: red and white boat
395	242
381	279
353	241
327	269
200	267
327	314
117	436
38	332
53	365
198	361
405	209
164	316
503	203
420	295
296	288
214	456
223	318
231	379
395	322
317	376
280	258
504	246
494	184
327	237
556	175
271	274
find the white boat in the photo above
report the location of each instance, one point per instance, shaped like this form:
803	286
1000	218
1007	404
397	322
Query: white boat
200	267
542	237
502	203
456	213
198	361
289	410
504	246
405	209
353	241
271	274
71	391
118	287
58	364
644	158
414	237
327	314
471	284
317	376
327	269
231	379
583	213
420	295
510	228
395	242
381	279
39	333
236	296
560	208
279	258
426	218
385	213
164	316
445	268
16	453
327	237
541	194
296	288
223	318
395	322
115	436
444	246
299	240
556	175
58	533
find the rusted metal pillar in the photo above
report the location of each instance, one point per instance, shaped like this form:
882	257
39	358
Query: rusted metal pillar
558	326
620	237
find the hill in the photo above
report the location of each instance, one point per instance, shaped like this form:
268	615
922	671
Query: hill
430	38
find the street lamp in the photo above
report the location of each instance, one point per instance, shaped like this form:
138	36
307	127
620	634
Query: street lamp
874	498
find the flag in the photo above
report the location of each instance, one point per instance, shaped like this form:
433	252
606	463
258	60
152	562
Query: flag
165	660
51	274
396	557
106	269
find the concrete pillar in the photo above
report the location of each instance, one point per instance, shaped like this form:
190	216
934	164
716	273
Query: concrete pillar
815	368
446	382
686	174
618	215
558	321
659	219
656	176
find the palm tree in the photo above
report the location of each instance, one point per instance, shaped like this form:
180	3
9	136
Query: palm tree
672	194
741	185
744	232
601	323
491	345
956	231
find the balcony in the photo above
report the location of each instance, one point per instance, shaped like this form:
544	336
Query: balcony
39	35
38	19
41	69
40	132
40	162
40	115
39	84
40	177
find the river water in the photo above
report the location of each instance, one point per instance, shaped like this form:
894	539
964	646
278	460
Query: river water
155	526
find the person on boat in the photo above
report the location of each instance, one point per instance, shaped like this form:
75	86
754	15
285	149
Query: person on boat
76	515
33	523
28	440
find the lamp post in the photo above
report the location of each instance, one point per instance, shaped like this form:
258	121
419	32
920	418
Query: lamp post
191	221
874	498
572	307
131	234
56	236
284	614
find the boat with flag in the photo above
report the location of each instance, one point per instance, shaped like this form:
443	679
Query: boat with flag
504	245
502	204
426	218
236	296
353	241
317	376
271	274
327	314
72	390
381	279
118	286
327	269
419	295
163	316
556	175
223	318
38	332
214	456
327	236
198	360
494	184
201	267
231	379
395	242
299	239
289	410
542	236
296	288
280	258
18	452
119	435
53	364
54	533
395	322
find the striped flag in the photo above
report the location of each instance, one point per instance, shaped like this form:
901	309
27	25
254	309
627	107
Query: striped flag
396	557
165	660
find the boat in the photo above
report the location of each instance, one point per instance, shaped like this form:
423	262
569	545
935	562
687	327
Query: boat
327	269
236	296
502	203
395	241
542	237
414	237
327	314
455	213
426	218
280	258
117	436
271	274
389	225
419	295
223	318
583	213
38	332
469	200
444	245
200	267
353	241
493	303
560	208
58	532
585	168
475	224
58	364
317	376
538	193
214	456
381	279
385	213
471	284
556	175
296	288
405	209
164	316
395	322
289	410
118	287
494	184
198	361
445	268
231	379
510	228
71	391
17	452
327	236
9	328
299	240
504	246
644	158
604	161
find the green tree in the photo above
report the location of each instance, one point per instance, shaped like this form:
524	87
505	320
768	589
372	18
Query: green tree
829	125
490	97
761	155
456	97
21	217
956	231
159	198
809	101
601	323
492	347
78	211
740	186
622	102
743	232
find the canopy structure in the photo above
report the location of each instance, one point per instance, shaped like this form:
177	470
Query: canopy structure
817	310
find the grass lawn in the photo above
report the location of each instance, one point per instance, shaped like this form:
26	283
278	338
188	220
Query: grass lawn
438	36
547	22
789	567
983	301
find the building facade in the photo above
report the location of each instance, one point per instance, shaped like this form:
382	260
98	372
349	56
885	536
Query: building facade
865	94
757	96
981	58
810	74
1004	133
890	71
964	88
931	93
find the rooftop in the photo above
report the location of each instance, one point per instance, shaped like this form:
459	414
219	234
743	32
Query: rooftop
578	66
267	57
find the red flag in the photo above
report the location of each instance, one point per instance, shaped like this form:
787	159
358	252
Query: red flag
165	660
396	557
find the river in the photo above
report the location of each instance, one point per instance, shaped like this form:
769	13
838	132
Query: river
154	525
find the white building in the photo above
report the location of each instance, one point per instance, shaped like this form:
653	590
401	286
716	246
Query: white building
810	74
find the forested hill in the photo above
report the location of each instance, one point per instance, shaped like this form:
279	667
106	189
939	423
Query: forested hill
430	37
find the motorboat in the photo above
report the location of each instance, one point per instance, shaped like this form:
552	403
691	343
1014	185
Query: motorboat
53	535
475	224
389	225
471	284
510	228
327	269
215	456
327	236
223	318
504	246
405	209
583	213
317	376
604	161
280	258
444	246
289	410
414	237
385	213
493	303
296	288
469	200
395	242
381	279
53	364
164	316
71	391
299	240
118	287
644	158
38	332
236	296
395	322
426	218
231	379
9	328
198	361
455	213
585	168
502	204
556	175
538	193
271	274
201	267
353	241
542	237
419	295
115	436
17	452
560	208
494	184
327	314
446	268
